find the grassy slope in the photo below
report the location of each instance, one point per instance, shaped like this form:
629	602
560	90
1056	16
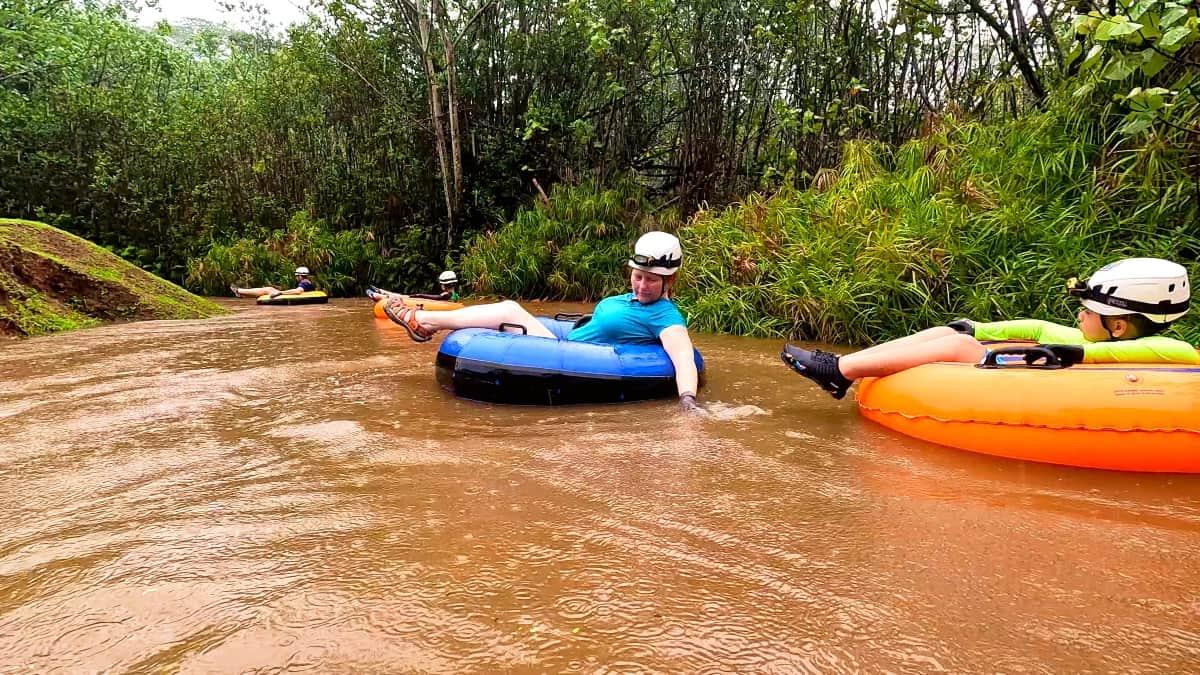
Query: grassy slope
51	280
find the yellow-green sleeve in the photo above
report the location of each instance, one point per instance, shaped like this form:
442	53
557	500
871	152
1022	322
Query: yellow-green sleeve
1033	330
1153	349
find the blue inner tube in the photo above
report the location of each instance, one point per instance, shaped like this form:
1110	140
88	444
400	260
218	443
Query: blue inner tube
487	365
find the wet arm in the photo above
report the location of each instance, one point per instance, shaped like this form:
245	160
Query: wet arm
678	343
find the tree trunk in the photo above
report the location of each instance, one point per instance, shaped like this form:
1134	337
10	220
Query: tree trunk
455	134
435	113
1020	59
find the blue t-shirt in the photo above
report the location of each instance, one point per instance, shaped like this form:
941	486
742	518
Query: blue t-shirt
621	319
306	286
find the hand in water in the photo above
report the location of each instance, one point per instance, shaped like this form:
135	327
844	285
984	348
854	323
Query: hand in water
689	405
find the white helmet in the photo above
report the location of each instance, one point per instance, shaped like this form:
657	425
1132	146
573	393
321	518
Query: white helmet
658	253
448	277
1155	288
302	270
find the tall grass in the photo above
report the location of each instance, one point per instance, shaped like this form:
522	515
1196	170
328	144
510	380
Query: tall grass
975	220
572	245
982	221
343	263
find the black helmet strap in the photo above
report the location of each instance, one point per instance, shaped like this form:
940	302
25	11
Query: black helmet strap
1078	289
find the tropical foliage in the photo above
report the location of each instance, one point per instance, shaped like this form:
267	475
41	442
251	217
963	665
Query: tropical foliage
887	163
985	221
973	220
570	244
385	117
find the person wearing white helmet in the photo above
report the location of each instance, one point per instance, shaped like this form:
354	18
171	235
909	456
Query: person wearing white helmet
449	293
1125	305
645	315
303	285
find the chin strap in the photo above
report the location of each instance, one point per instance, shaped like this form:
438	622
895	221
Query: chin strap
1104	325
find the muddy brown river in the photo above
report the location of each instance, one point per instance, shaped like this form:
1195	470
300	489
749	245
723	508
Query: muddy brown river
287	489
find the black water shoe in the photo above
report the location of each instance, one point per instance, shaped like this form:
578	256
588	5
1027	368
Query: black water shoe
818	366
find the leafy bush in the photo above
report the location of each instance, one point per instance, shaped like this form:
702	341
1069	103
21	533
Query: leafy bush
982	221
342	263
573	245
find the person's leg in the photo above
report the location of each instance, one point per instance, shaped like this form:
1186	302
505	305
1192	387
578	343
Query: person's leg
955	347
378	294
482	316
836	373
909	340
255	292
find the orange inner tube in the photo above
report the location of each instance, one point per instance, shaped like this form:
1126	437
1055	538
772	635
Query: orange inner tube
1124	417
427	305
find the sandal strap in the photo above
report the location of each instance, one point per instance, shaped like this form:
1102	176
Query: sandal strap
406	317
409	316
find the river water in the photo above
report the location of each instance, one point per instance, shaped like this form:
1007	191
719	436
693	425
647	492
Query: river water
289	489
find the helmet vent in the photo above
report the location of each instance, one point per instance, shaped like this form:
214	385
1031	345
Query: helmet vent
1171	288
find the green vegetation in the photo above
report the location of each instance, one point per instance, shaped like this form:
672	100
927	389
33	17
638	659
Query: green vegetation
339	261
568	245
417	124
34	315
845	171
975	220
980	221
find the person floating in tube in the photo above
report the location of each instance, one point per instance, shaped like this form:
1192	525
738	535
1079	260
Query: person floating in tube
1125	305
303	285
448	281
647	315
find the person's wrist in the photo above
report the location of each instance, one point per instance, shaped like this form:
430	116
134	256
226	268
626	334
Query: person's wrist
687	403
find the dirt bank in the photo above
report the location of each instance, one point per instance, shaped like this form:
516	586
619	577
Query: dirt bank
51	280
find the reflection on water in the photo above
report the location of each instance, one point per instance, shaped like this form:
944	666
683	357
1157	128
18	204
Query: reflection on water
288	488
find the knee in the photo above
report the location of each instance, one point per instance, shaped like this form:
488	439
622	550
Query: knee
511	306
967	346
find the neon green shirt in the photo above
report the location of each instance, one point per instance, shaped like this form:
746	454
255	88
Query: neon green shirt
1153	349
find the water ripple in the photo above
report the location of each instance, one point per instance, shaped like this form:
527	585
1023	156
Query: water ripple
275	491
